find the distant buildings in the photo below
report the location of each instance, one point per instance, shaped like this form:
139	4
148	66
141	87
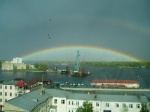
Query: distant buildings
52	100
17	60
115	83
16	63
7	65
19	66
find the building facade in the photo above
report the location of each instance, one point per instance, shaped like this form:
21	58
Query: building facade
17	60
9	90
7	65
115	83
13	66
20	66
53	100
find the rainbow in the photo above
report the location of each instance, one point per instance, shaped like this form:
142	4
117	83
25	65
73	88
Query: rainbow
126	25
88	48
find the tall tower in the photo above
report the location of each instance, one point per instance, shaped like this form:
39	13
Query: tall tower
77	61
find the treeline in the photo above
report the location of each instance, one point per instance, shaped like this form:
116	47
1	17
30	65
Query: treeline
44	66
41	66
118	64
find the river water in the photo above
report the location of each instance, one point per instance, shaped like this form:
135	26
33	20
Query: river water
141	75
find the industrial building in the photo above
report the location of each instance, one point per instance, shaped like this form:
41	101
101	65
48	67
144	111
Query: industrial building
115	83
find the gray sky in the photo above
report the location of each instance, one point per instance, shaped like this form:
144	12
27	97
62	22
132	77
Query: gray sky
119	25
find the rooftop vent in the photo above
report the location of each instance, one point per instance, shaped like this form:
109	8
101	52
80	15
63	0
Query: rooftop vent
95	96
42	91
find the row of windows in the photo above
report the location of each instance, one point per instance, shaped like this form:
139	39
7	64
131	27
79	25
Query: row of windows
10	94
97	104
62	101
5	87
2	100
124	105
71	102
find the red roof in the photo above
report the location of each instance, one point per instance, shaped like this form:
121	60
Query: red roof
20	83
115	81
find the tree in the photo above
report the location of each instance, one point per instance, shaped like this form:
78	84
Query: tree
37	65
125	108
27	67
43	67
144	108
87	107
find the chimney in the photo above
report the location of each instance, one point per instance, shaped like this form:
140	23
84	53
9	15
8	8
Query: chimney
42	91
95	96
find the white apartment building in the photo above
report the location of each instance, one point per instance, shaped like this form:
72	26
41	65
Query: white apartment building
9	90
17	60
7	65
53	100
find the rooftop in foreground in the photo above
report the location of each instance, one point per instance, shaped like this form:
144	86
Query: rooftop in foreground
30	100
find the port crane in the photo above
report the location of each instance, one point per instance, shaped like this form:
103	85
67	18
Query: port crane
77	66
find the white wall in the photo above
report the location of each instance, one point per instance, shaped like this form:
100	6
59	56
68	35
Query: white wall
74	104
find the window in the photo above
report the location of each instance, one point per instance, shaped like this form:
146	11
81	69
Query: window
0	86
72	102
5	93
137	105
107	104
130	105
62	101
97	104
5	100
10	94
55	101
10	87
117	105
69	102
0	93
5	87
77	103
0	100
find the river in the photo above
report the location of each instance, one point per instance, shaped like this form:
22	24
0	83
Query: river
141	75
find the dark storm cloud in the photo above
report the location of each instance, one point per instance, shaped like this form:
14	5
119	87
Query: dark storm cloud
119	25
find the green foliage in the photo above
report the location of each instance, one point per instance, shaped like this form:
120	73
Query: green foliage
14	68
41	66
144	108
125	108
127	64
27	67
37	65
87	107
